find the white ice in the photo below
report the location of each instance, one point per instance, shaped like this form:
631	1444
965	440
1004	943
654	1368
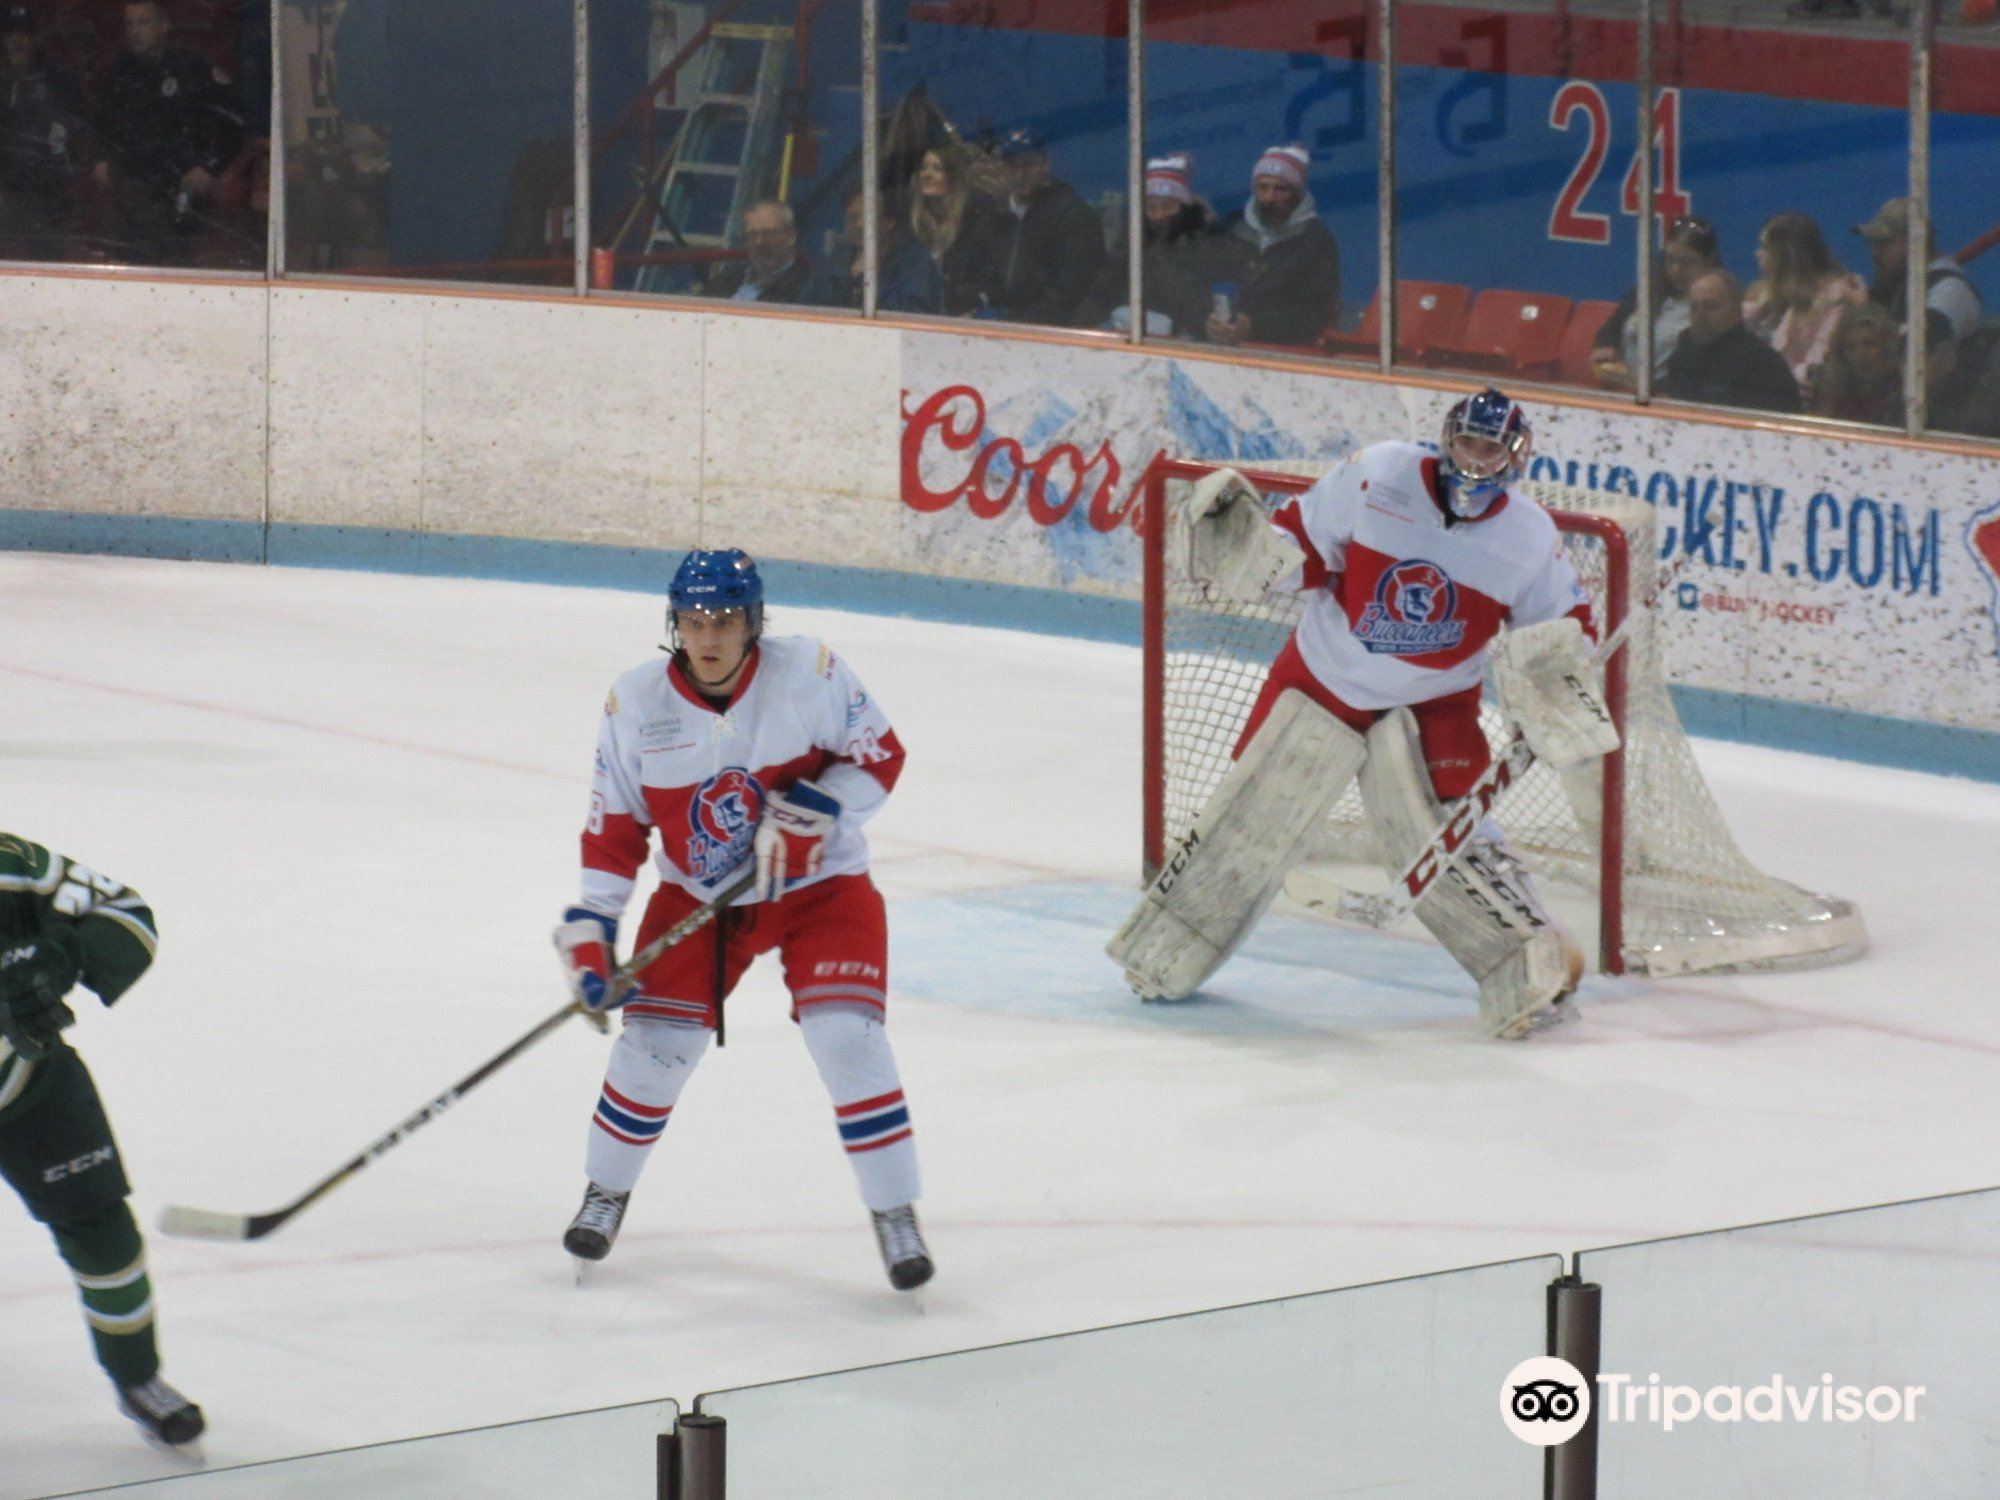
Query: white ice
353	801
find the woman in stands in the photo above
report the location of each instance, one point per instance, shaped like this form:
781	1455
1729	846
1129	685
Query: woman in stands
1862	378
1797	300
1690	253
960	226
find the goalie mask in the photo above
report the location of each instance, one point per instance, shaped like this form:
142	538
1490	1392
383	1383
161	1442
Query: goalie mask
1484	449
715	582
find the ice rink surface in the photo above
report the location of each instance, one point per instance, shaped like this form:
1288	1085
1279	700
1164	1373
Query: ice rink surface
353	802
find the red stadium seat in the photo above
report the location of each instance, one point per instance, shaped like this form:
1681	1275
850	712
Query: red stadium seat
1519	333
1427	312
1573	363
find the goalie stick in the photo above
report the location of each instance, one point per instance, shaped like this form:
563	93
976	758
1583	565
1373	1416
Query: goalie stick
1454	835
206	1224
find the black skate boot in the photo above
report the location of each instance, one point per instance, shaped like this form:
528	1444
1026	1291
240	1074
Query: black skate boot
904	1253
166	1415
595	1226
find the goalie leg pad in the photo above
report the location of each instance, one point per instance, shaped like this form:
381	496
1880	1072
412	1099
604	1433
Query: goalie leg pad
1485	911
1221	877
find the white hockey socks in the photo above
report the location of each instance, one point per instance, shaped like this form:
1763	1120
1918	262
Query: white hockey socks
850	1047
651	1063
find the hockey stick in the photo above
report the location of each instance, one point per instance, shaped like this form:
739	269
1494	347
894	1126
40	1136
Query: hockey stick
205	1224
1448	845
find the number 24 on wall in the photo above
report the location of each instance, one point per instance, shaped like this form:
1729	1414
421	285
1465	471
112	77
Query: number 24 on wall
1569	222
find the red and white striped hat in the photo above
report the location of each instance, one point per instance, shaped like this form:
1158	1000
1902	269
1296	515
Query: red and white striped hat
1171	177
1286	163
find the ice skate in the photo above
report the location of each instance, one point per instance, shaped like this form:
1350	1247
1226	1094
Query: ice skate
166	1415
904	1254
595	1226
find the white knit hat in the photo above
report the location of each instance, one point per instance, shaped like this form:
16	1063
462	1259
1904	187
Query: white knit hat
1171	177
1286	163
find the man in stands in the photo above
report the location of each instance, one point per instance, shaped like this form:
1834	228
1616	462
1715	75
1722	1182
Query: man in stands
1947	289
1276	266
1719	361
772	270
1056	243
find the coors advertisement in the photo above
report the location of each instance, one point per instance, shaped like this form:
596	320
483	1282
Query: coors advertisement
1853	575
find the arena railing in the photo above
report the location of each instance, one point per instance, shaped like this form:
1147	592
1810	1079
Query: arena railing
1844	1356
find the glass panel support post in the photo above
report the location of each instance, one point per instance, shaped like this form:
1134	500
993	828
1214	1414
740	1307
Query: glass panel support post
691	1458
1923	31
1642	378
580	147
274	191
1575	1333
1135	168
1385	182
871	158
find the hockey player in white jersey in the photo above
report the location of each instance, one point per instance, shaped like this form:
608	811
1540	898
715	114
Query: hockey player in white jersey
741	748
1412	558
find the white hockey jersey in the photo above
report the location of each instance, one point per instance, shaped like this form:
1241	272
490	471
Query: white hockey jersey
1401	607
670	765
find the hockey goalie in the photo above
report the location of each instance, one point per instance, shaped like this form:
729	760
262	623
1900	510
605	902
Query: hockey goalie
1411	560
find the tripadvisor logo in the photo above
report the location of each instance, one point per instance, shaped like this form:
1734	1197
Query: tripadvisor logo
1546	1401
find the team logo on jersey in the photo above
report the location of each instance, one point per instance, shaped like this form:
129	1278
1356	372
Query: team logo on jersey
1414	611
1982	539
722	816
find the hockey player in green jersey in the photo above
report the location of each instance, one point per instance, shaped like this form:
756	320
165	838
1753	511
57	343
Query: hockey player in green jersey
60	925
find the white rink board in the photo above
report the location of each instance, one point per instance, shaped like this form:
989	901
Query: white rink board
1843	573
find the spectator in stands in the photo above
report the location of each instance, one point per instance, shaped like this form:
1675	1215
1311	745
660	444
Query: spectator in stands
965	230
1795	302
1276	267
772	269
1947	288
168	125
1179	245
1689	252
1055	244
1862	378
1962	392
1717	360
909	280
41	117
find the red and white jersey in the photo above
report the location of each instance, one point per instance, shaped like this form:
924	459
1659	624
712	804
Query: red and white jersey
671	765
1402	607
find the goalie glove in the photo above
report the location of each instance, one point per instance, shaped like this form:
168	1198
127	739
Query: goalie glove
34	977
796	822
1224	541
1549	689
587	940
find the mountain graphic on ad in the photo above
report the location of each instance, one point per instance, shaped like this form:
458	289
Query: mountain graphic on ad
1982	539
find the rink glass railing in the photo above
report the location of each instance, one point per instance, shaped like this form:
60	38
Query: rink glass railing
1388	1388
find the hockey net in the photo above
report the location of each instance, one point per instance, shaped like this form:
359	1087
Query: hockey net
1636	840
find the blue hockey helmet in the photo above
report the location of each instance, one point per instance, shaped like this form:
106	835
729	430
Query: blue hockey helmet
1477	473
711	582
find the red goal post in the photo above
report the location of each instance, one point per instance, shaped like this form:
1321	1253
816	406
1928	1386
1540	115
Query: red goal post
1163	603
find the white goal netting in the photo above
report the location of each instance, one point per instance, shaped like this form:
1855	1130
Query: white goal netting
1682	896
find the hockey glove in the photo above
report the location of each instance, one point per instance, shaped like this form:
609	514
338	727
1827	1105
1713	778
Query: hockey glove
587	941
34	977
796	821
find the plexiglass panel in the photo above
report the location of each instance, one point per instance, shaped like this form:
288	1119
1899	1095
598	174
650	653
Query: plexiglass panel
725	139
608	1452
430	141
1262	137
1003	157
1793	1350
1516	205
1964	367
1391	1389
1783	134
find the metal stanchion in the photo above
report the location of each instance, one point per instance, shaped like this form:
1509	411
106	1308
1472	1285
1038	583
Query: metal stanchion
1576	1326
703	1473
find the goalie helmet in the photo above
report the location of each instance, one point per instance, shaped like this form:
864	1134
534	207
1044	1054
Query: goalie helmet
1485	448
712	582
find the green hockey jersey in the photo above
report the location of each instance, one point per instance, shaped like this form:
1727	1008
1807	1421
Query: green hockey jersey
106	927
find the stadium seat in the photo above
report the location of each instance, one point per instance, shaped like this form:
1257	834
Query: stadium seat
1573	364
1427	312
1518	333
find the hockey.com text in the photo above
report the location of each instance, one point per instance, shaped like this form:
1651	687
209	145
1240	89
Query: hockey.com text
1623	1398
